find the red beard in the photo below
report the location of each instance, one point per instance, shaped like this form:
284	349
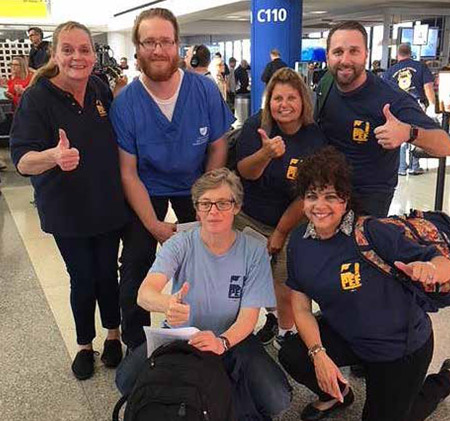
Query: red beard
159	73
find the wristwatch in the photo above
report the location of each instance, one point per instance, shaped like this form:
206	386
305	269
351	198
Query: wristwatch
225	343
413	133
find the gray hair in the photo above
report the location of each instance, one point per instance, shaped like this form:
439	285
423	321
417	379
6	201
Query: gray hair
216	178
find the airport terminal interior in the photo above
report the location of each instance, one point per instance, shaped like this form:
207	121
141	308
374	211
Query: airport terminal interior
36	324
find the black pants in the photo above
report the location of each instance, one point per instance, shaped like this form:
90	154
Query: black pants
138	254
92	266
375	204
395	391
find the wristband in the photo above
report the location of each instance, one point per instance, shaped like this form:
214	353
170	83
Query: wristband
225	342
314	350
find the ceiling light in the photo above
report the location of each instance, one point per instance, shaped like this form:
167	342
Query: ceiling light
318	12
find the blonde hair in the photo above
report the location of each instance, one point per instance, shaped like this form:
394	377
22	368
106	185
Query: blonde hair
216	178
51	69
23	66
290	77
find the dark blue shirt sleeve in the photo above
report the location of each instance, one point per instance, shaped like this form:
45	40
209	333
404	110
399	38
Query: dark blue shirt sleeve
29	131
249	140
391	245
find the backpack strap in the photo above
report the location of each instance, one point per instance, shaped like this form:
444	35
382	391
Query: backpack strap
118	406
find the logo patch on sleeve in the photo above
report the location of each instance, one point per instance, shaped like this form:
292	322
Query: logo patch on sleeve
236	286
361	131
292	170
350	276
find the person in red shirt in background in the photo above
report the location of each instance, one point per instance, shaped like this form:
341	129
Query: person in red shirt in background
19	80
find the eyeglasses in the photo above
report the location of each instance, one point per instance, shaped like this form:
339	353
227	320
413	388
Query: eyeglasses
150	44
221	205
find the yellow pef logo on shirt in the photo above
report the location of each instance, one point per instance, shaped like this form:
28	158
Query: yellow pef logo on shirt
292	170
361	131
350	276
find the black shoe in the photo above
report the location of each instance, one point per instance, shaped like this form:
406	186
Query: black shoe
112	353
269	330
358	371
445	366
311	413
281	339
83	364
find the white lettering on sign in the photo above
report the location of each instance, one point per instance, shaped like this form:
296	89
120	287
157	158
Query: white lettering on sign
271	15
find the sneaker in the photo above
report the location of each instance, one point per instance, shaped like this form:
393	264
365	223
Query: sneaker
418	171
269	330
281	339
83	364
112	353
402	173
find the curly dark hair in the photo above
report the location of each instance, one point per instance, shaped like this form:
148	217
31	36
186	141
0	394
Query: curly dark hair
327	167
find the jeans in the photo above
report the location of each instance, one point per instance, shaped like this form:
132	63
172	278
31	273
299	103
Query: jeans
413	161
260	388
395	390
92	266
138	254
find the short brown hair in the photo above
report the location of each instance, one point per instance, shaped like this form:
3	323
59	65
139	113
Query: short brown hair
404	50
290	77
216	178
327	167
156	12
349	25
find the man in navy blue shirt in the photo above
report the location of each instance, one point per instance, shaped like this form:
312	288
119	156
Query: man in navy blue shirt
413	77
368	119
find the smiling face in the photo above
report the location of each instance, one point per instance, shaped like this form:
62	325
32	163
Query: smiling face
158	64
346	57
286	105
74	55
216	221
325	209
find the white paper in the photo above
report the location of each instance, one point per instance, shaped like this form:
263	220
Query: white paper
187	226
157	336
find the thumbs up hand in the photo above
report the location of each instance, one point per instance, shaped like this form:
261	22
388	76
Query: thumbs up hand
66	158
178	311
392	133
275	147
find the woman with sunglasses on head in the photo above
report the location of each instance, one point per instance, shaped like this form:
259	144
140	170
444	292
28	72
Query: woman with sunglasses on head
367	317
221	279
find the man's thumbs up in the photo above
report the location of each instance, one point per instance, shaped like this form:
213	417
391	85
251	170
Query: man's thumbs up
66	158
392	133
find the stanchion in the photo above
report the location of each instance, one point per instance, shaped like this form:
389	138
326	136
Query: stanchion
440	182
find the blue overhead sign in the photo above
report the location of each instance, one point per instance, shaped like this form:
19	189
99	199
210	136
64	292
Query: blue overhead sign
275	24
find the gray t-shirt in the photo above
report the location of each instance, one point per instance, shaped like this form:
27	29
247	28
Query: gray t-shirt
219	285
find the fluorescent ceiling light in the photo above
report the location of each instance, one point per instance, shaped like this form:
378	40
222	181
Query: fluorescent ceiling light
318	12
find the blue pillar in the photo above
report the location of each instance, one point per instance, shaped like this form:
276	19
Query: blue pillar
275	24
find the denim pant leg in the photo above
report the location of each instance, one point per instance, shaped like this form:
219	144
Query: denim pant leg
78	255
128	370
404	149
106	278
260	388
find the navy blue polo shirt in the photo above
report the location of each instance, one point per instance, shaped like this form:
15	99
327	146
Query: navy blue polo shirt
410	76
267	198
89	200
370	310
349	120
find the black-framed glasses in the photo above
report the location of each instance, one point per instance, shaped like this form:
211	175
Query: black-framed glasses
150	44
221	205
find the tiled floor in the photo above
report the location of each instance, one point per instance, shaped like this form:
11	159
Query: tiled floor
36	326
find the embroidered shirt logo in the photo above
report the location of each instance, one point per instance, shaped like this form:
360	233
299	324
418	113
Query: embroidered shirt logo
350	276
361	131
236	286
203	131
203	136
100	108
292	170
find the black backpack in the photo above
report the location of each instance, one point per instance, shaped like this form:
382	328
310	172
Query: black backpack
425	228
180	383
